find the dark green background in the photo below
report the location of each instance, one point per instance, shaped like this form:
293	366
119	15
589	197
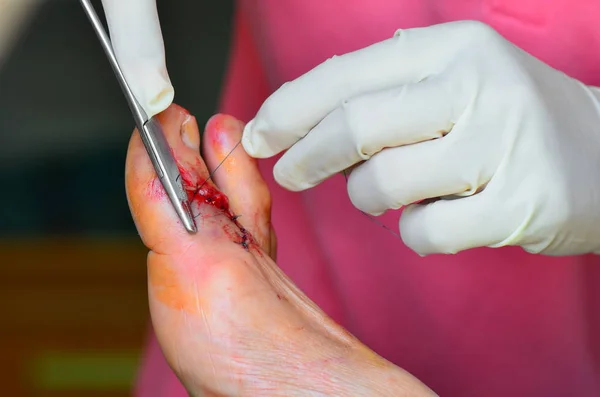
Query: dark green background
64	124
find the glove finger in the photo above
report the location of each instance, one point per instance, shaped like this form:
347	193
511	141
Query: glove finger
290	112
138	44
451	226
364	126
403	175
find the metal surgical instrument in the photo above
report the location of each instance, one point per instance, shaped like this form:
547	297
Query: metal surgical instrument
150	131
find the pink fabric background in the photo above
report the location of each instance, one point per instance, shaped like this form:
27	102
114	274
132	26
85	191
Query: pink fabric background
486	322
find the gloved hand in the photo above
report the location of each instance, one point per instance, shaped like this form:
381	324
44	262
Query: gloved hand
138	44
455	111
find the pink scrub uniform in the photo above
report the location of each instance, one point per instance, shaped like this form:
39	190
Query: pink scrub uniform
486	322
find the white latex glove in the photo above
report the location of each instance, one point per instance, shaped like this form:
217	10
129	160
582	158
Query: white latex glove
15	15
138	43
512	145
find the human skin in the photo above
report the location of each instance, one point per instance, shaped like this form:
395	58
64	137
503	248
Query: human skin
229	322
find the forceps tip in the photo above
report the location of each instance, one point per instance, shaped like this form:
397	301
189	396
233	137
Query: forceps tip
186	217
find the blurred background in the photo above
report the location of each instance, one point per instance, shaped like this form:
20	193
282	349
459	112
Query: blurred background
73	304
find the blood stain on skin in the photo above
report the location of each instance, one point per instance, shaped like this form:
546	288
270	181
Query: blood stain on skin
198	185
205	193
232	233
155	190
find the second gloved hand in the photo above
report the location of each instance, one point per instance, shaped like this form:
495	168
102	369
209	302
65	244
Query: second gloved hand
455	111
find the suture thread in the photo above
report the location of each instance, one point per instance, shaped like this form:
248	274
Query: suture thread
211	174
372	219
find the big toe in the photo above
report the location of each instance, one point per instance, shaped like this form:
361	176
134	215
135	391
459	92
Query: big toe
150	207
155	218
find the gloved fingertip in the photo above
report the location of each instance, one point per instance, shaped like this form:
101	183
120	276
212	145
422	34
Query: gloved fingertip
160	101
287	181
247	139
282	178
411	227
256	142
158	94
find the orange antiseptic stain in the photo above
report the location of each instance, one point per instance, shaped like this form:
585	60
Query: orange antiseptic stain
220	138
167	287
228	165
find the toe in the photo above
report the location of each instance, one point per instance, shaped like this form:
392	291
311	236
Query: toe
238	176
152	211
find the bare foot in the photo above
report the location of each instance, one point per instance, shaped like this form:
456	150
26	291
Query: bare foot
228	320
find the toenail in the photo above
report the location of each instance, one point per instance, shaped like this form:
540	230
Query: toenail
218	129
189	135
